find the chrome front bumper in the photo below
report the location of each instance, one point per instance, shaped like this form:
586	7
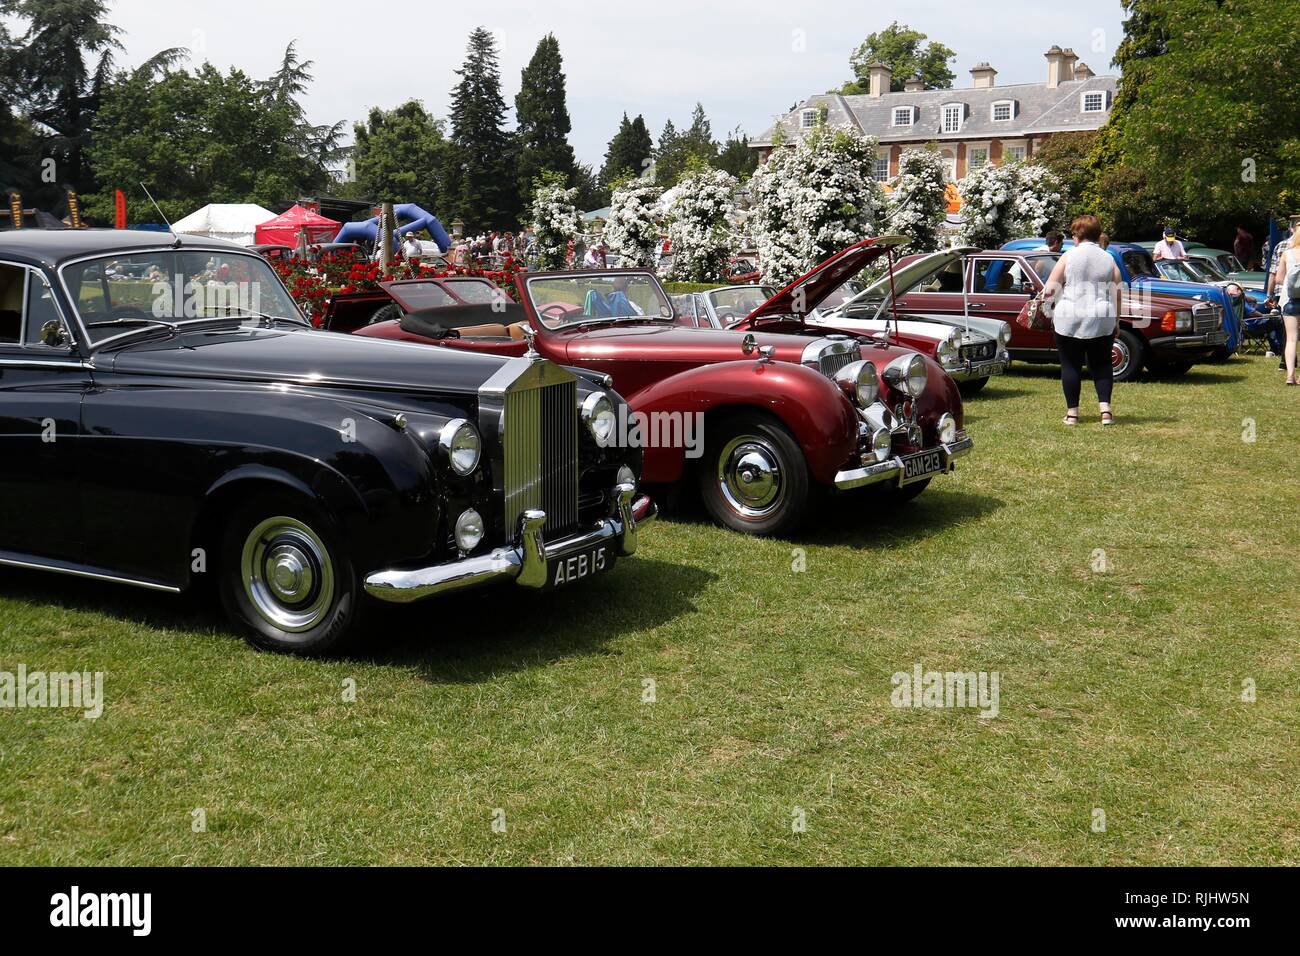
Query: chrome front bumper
891	469
1199	341
524	563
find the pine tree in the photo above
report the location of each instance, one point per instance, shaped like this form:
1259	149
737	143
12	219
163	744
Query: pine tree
485	191
543	118
627	152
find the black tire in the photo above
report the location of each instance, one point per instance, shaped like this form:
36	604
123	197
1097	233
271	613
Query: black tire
971	386
1172	369
754	478
1128	355
313	562
387	313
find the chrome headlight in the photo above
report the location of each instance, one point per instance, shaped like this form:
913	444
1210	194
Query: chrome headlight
948	352
947	428
598	413
861	380
1004	334
469	530
881	443
907	374
460	442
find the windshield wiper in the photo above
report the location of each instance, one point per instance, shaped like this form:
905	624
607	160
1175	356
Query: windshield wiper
171	326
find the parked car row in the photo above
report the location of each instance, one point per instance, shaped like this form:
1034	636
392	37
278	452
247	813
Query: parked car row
167	417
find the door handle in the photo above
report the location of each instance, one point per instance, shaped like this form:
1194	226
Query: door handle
976	305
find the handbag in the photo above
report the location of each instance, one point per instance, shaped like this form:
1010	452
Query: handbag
1036	315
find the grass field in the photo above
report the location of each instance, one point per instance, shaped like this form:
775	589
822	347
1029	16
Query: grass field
1120	690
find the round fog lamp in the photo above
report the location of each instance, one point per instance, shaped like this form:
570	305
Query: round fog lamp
947	428
469	530
881	443
626	476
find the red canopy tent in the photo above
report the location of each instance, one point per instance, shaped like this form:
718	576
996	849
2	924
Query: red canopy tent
283	229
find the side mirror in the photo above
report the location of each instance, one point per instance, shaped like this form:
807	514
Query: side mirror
54	334
749	344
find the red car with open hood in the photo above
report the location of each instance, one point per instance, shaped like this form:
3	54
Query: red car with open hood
755	420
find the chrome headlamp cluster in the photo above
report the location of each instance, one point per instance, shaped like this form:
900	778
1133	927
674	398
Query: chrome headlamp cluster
907	374
948	351
861	381
461	444
598	413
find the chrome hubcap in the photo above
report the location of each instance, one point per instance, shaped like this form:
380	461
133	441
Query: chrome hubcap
287	574
1119	357
749	476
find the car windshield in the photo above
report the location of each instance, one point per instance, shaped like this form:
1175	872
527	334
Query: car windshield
562	300
474	291
165	286
421	295
1208	267
732	305
1179	271
1139	264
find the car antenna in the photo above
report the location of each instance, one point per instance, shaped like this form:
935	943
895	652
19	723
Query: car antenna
176	244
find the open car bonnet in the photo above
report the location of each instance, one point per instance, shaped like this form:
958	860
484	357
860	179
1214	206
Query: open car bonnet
809	291
905	277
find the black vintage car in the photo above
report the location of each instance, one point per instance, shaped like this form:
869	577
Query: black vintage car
166	414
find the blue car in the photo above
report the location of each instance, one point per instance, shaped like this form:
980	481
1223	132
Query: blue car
1138	270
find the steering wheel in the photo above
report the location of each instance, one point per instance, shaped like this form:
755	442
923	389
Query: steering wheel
555	310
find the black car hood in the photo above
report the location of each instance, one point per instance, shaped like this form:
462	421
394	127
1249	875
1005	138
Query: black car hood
305	357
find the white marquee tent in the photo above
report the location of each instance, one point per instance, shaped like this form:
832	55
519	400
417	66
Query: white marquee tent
233	221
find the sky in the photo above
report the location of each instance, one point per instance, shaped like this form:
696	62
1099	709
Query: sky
747	62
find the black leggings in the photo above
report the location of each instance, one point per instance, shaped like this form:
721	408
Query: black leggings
1074	352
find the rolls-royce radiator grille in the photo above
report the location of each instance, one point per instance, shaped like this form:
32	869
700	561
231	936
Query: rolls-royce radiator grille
541	456
832	362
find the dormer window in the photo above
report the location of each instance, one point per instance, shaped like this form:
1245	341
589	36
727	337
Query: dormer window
952	117
903	116
1093	102
809	119
1003	111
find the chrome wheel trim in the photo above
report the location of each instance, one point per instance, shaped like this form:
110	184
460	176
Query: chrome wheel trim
749	477
287	574
1120	357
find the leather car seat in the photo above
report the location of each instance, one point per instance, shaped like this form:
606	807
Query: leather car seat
483	331
517	331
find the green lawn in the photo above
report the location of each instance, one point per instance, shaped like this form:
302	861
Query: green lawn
1120	691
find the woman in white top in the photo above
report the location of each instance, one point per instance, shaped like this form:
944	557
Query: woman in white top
1085	286
1285	276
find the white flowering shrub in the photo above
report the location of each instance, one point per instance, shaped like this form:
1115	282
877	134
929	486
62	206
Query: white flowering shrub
632	229
1013	201
812	199
697	224
555	221
1041	200
918	205
987	197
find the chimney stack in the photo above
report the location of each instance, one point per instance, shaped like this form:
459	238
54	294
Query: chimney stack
914	84
1071	58
1056	66
881	77
982	75
1082	71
